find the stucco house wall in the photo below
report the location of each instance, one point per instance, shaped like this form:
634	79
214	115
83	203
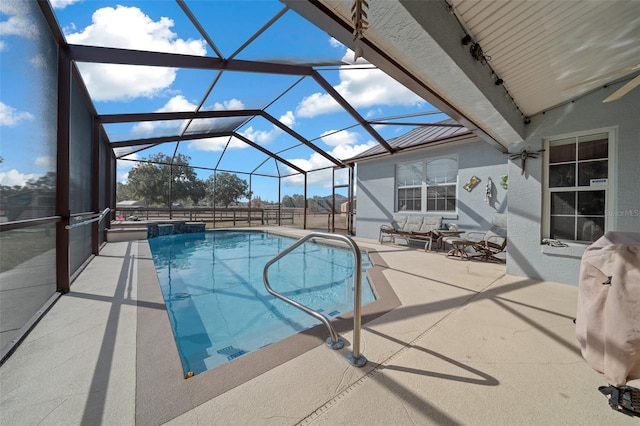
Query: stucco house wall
375	186
526	255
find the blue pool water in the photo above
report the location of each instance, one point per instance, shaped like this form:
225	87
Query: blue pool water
216	300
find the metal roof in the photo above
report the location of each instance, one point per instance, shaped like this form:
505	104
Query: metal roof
445	131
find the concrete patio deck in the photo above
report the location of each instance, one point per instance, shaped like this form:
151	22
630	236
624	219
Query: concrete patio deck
468	345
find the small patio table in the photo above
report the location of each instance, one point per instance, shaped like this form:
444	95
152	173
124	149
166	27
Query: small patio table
439	234
459	248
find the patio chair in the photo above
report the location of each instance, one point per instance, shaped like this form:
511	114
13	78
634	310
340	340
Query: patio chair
484	245
490	244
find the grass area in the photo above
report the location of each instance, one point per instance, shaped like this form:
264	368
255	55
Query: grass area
19	246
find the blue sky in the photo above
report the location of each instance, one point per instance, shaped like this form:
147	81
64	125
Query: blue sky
162	26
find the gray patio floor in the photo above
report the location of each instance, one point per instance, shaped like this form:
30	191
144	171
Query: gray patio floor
468	345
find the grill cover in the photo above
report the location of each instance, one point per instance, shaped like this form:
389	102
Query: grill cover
608	312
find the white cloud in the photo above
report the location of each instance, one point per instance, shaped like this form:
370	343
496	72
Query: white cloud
343	137
261	137
61	4
11	117
217	144
232	104
362	88
107	82
45	162
123	167
175	104
335	43
130	28
15	178
343	151
317	104
132	156
266	136
18	23
180	104
40	61
288	119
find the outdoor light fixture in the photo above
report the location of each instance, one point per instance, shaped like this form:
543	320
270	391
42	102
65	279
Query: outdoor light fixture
466	39
476	51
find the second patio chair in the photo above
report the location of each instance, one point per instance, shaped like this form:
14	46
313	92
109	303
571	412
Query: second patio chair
489	245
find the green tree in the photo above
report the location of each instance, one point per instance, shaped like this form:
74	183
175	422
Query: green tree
157	180
47	181
227	188
197	190
123	192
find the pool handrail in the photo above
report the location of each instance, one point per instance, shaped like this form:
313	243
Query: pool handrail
90	218
334	341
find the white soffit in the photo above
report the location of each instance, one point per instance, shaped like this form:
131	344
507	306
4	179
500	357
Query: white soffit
550	52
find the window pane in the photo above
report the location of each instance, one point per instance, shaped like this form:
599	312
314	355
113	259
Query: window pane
591	202
593	149
451	191
563	203
563	227
560	153
591	170
436	191
409	174
562	175
590	228
409	199
442	170
441	198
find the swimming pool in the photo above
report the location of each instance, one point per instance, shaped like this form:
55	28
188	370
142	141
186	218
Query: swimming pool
218	306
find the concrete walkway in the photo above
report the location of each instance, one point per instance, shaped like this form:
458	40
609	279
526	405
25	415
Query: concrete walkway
468	345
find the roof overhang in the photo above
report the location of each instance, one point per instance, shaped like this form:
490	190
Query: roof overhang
533	56
418	44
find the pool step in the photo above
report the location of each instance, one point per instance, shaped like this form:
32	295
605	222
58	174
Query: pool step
222	356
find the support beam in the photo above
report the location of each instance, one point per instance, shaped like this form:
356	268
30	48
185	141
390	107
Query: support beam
347	107
112	55
62	172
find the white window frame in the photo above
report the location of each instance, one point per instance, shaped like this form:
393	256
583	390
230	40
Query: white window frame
608	187
397	187
423	186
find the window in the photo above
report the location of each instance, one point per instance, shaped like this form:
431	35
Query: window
577	187
442	176
434	181
409	184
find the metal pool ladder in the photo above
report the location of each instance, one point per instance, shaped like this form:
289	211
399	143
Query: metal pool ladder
334	341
